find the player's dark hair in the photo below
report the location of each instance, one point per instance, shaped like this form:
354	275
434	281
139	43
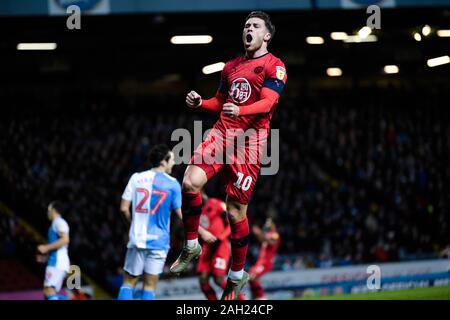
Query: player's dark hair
157	154
266	18
57	206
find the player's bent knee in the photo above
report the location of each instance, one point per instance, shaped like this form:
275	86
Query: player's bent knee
194	179
129	279
192	183
188	186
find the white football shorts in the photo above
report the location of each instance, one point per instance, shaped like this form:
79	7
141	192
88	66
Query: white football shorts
138	261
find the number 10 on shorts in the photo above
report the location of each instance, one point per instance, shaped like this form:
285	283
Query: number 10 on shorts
245	184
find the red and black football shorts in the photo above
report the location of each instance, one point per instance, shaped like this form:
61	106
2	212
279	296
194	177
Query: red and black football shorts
238	165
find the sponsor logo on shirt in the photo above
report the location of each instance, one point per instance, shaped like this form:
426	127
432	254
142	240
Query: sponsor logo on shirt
240	90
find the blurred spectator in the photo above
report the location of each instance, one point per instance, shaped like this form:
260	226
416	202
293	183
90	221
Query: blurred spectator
299	264
287	265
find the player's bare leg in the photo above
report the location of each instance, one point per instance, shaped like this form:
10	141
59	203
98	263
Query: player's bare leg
237	277
127	288
150	281
193	181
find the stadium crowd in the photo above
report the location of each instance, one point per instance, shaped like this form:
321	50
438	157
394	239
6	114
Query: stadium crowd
360	180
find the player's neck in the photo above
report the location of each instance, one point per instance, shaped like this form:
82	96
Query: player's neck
159	169
256	54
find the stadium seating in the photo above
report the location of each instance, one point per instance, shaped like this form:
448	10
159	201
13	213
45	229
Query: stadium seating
360	180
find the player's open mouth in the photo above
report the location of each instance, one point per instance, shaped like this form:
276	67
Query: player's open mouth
249	38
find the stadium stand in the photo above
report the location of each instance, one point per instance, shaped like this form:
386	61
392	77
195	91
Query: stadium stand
360	180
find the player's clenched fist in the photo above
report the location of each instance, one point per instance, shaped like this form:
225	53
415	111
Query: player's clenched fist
230	109
193	100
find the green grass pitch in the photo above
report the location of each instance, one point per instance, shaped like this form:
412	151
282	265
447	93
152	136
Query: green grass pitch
431	293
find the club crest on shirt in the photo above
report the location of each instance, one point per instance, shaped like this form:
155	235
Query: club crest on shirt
280	72
258	70
240	90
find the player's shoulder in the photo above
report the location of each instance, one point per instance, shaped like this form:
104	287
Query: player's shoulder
135	175
142	174
174	182
60	222
274	60
168	177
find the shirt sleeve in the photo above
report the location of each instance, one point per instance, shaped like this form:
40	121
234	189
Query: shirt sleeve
62	226
276	76
128	192
176	197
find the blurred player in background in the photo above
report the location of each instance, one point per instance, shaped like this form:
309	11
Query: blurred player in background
215	257
153	194
445	253
247	97
58	262
270	241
